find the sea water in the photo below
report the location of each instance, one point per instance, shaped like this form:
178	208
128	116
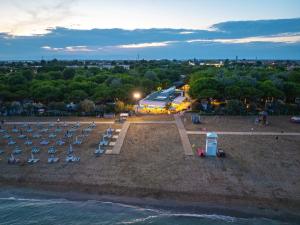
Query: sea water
18	209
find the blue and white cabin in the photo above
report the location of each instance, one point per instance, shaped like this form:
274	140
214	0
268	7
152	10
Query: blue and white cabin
211	144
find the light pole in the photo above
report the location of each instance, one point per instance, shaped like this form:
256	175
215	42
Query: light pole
137	97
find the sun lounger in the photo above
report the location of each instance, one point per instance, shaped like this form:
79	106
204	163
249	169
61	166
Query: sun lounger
15	130
57	130
72	158
22	136
12	160
11	142
32	159
60	142
44	130
6	136
52	135
118	130
104	142
77	141
51	150
87	130
28	142
17	151
115	136
36	135
99	151
29	130
69	135
35	150
52	159
44	142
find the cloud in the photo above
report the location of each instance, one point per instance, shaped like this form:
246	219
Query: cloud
147	45
288	38
69	49
35	18
186	32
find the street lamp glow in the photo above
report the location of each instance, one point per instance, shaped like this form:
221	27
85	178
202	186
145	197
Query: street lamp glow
136	95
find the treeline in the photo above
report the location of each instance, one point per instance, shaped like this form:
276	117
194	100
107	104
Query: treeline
54	84
243	87
248	88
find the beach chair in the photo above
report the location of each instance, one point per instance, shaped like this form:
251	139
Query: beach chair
87	130
72	158
70	149
11	142
68	134
44	142
51	150
196	119
52	135
32	159
17	150
60	142
12	160
29	130
93	125
52	159
110	130
44	130
22	136
36	135
109	135
15	130
57	130
99	151
104	142
77	141
28	142
6	136
77	125
35	150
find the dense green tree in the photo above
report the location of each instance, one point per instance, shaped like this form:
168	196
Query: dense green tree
69	73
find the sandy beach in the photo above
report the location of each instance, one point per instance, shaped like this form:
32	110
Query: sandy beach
259	171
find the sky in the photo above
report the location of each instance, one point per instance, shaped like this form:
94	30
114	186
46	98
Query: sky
31	17
184	29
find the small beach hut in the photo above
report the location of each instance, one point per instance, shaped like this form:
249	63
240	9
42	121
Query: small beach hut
211	144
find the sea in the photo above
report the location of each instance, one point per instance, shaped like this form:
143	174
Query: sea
19	207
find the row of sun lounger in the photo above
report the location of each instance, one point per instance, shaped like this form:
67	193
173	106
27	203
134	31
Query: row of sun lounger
51	150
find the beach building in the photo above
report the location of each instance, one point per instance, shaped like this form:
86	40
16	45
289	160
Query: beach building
164	101
211	144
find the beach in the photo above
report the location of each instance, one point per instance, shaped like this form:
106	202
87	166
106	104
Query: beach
259	173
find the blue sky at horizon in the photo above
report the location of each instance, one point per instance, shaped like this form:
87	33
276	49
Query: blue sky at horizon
29	17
